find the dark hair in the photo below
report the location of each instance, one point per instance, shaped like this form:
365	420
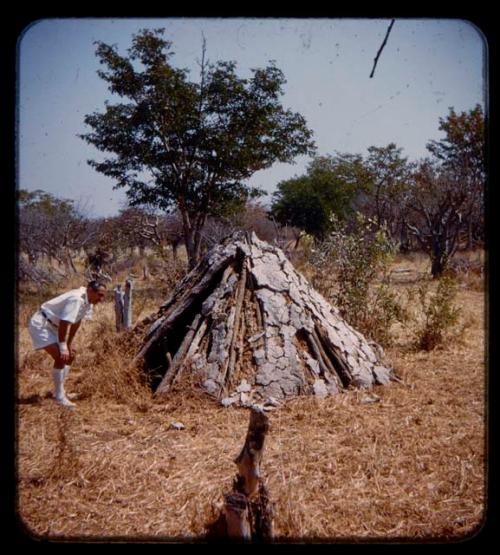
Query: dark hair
95	285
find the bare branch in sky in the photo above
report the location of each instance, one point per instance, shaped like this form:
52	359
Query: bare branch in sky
375	61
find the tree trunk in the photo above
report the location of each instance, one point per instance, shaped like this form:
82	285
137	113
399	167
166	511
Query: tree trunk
437	266
194	250
70	265
442	250
190	250
470	235
175	250
192	225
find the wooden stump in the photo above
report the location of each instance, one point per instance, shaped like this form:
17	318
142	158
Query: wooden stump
123	306
248	512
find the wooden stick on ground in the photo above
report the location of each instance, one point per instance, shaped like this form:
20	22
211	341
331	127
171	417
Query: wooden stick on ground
248	512
248	461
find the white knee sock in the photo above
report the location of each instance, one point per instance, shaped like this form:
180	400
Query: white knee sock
59	375
66	371
65	374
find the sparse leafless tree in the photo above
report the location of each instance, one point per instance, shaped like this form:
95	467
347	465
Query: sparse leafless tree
437	207
52	228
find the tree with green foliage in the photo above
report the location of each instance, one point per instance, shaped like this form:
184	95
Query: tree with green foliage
389	178
178	144
44	202
329	188
445	200
463	152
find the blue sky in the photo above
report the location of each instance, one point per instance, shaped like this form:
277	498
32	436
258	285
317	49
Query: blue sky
426	66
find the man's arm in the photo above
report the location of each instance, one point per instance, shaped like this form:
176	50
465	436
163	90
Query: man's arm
72	331
61	337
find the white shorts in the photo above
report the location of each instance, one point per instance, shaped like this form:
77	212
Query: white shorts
42	332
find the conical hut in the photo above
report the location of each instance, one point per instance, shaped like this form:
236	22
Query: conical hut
248	327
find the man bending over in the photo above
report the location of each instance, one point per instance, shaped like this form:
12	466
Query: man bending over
54	325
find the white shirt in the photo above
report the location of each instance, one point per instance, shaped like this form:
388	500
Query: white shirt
72	306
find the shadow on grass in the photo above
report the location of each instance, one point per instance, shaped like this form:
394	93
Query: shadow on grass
34	399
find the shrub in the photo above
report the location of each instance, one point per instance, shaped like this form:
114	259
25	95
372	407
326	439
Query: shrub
469	271
352	269
439	313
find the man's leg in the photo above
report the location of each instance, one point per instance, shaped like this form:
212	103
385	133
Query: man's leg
59	373
65	375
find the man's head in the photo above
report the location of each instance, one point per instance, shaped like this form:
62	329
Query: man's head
96	291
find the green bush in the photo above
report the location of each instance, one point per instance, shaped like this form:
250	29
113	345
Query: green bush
439	313
352	270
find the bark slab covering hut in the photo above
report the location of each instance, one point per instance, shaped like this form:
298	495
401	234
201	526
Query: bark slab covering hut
249	328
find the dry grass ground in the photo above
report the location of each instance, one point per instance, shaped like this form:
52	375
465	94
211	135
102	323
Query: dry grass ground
410	465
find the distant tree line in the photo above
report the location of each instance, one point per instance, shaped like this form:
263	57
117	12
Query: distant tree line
55	234
435	204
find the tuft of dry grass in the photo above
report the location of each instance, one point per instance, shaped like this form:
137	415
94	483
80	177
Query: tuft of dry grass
404	461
